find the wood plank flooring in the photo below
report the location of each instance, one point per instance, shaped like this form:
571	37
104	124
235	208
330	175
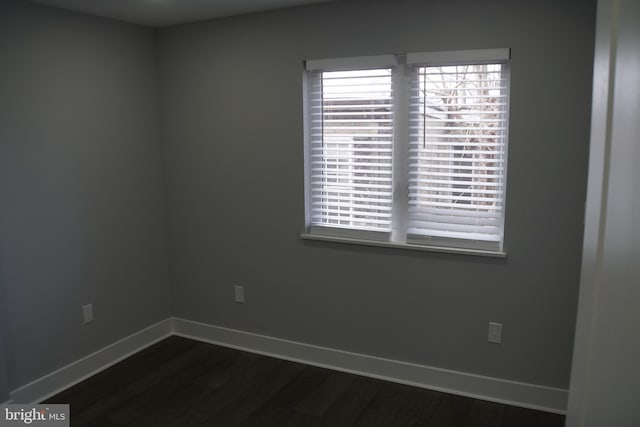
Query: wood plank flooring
180	382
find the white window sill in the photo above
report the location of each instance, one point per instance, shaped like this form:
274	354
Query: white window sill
408	246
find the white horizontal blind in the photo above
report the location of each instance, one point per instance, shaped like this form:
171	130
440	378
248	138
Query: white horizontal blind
457	160
351	137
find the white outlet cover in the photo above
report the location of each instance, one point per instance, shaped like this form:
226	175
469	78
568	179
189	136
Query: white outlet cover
87	313
495	333
238	292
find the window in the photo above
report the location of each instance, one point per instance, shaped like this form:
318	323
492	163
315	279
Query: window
408	149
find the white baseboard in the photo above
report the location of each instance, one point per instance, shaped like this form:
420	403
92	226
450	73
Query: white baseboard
73	373
532	396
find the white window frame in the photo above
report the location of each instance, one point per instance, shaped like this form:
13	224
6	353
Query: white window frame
401	65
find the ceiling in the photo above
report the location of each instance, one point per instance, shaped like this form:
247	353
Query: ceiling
161	13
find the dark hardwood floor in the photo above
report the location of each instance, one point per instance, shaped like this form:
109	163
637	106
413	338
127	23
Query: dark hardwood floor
180	382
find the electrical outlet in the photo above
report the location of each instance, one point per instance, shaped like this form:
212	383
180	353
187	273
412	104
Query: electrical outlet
495	333
87	313
238	293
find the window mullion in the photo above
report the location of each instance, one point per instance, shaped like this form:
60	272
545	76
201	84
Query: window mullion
399	212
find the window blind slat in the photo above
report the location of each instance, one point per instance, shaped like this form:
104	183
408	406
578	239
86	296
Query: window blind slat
353	151
460	165
449	182
486	193
350	198
444	136
450	234
354	106
359	220
433	174
454	213
348	208
457	198
444	205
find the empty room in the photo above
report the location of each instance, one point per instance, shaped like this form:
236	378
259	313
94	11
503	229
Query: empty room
319	212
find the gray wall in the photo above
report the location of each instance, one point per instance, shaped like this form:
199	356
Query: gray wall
605	379
232	129
5	350
4	383
81	187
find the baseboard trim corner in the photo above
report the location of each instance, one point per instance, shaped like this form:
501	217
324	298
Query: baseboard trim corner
526	395
75	372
